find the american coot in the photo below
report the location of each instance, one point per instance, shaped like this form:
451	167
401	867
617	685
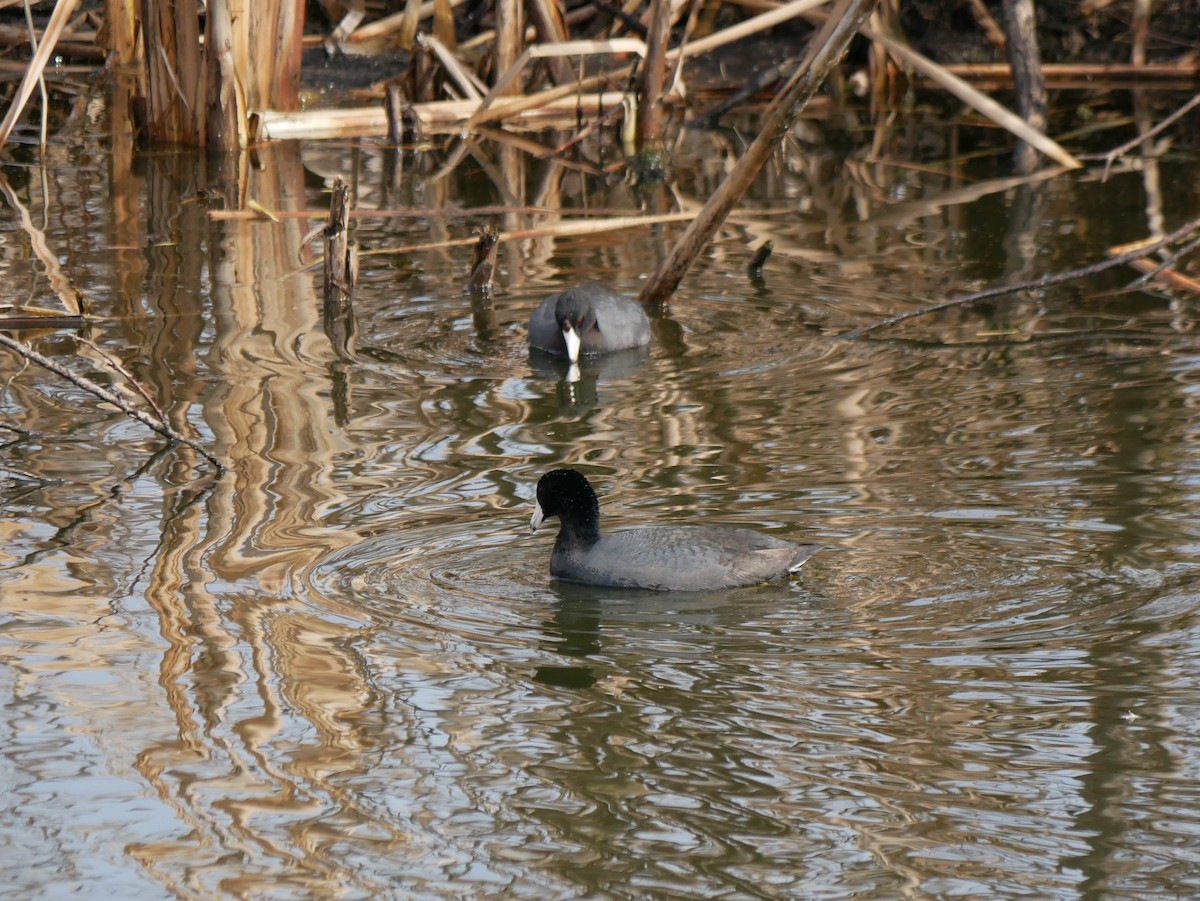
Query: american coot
663	558
588	319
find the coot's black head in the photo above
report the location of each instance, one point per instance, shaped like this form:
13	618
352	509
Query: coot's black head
573	310
565	493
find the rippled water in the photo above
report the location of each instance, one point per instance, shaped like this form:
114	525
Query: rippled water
342	671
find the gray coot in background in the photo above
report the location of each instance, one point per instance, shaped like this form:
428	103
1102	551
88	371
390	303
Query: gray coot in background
662	558
590	318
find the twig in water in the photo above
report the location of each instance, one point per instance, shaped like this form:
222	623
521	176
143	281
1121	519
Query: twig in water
161	426
1055	278
1112	155
1166	270
117	365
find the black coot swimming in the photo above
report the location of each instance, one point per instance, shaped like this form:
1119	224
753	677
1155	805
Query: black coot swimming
661	558
590	318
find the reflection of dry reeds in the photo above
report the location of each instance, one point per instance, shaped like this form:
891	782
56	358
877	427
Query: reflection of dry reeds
119	396
60	281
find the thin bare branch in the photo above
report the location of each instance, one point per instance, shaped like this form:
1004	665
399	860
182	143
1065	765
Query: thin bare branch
1045	281
116	365
28	353
825	51
1111	156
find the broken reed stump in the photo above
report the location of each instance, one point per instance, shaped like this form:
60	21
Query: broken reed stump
341	256
760	257
341	271
483	261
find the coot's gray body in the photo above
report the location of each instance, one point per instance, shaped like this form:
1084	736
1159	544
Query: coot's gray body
588	319
661	558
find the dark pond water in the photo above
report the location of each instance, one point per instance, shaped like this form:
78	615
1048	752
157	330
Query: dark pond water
342	671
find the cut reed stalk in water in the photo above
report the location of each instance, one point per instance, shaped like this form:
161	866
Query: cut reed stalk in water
483	261
341	259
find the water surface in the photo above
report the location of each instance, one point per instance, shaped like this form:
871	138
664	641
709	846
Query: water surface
341	670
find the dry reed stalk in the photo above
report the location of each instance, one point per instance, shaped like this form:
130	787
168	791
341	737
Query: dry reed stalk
41	82
20	68
510	40
254	63
569	229
23	319
120	17
1140	26
1028	82
174	74
11	34
402	213
406	35
550	28
985	20
1186	70
648	134
74	41
381	28
33	75
436	117
356	11
461	75
574	17
978	101
228	116
443	24
759	23
1171	276
509	76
